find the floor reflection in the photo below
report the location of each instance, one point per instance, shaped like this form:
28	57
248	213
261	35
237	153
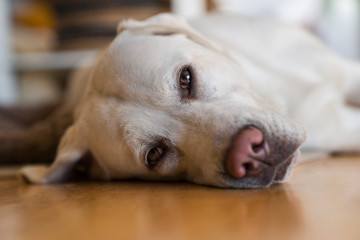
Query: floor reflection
259	214
153	211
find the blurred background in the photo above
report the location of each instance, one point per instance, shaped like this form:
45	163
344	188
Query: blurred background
41	41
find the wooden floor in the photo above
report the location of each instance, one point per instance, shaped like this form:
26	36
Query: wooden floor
321	201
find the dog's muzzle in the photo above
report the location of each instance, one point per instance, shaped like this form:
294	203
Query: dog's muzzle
255	160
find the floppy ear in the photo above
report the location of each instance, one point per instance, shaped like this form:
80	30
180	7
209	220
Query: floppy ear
167	24
71	161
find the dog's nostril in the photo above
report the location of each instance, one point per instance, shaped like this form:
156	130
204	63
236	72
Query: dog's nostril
250	166
260	151
247	153
258	147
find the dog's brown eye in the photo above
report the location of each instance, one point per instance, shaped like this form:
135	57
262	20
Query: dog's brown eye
153	156
185	79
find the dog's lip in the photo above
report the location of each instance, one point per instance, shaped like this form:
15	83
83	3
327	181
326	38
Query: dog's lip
283	167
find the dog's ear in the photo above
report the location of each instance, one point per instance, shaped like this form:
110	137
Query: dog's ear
167	24
72	160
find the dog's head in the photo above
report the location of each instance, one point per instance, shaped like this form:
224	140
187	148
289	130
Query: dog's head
165	103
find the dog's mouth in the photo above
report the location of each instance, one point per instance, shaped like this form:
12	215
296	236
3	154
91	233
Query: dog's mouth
279	173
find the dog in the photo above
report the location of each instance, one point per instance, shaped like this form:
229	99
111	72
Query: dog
222	100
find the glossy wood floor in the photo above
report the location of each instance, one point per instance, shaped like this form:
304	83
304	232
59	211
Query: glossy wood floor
321	201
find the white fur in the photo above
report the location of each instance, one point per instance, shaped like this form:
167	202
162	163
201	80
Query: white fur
247	71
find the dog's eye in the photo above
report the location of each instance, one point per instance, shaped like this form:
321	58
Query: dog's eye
153	156
185	79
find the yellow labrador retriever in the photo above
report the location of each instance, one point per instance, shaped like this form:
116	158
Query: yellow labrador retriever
209	102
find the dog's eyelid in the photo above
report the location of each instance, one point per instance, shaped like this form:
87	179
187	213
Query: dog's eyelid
154	156
186	81
158	149
168	156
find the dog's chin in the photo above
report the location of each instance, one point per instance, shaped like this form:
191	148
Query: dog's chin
274	175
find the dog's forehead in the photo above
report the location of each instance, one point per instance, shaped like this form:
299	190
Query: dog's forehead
147	67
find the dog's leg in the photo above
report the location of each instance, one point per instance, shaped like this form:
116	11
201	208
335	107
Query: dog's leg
334	128
348	138
24	116
36	144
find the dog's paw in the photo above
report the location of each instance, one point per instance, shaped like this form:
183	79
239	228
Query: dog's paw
33	174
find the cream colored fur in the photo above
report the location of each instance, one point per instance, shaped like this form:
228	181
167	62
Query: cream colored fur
247	71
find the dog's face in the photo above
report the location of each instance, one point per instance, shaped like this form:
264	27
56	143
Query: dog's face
165	104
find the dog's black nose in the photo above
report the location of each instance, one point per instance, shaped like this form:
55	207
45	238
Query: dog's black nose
247	154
